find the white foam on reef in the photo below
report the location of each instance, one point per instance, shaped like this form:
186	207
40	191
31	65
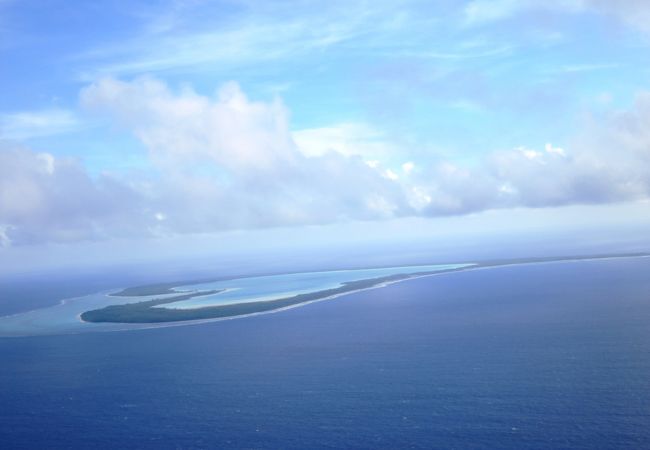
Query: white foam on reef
275	287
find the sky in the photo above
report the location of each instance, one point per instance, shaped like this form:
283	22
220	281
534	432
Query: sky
173	123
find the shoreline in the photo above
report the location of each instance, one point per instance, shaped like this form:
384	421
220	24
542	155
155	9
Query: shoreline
152	325
169	287
139	314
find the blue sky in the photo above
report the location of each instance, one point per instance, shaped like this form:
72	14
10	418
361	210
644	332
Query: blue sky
165	118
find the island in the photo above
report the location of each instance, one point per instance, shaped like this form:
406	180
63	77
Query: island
144	291
150	311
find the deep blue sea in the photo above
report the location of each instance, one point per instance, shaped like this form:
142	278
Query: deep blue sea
540	356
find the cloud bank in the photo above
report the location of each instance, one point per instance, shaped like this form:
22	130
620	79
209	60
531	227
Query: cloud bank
43	198
227	162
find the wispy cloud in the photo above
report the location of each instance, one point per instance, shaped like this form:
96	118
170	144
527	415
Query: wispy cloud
586	67
33	124
501	50
256	34
259	35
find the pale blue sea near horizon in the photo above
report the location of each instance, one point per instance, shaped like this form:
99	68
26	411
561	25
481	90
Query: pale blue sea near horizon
538	356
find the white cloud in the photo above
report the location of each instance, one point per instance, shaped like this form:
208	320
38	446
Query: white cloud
586	67
227	162
47	199
348	138
408	167
529	153
554	150
450	189
233	132
33	124
249	33
230	162
388	173
600	166
4	239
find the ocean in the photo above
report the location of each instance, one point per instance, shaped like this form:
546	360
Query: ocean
64	317
538	356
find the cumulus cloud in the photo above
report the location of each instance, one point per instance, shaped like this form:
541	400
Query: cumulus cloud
348	138
449	189
228	162
47	199
607	161
228	130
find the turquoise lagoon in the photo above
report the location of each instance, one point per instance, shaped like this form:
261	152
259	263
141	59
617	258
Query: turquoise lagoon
64	318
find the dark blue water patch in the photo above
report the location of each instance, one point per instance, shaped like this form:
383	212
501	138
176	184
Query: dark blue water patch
26	292
544	356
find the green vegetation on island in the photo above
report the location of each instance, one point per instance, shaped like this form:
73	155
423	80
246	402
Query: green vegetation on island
146	312
150	289
140	312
